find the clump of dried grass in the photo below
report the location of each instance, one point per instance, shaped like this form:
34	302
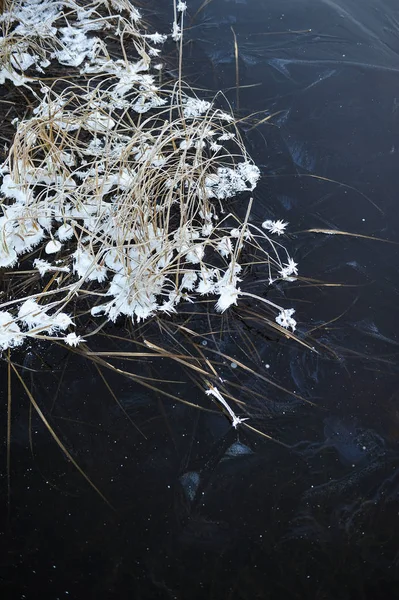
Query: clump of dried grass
115	205
117	187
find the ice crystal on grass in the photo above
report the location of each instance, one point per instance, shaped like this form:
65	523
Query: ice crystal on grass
10	333
73	340
44	267
156	38
181	7
225	247
229	181
35	317
285	319
76	46
193	107
226	287
176	32
228	296
275	226
289	270
235	420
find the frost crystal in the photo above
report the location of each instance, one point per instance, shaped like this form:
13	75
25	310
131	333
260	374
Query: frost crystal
10	333
194	108
227	288
176	32
65	232
225	247
228	296
275	226
31	314
235	421
73	340
288	270
156	38
62	321
87	268
285	319
43	267
189	280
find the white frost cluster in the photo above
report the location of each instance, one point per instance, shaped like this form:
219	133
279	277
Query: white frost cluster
33	321
275	226
181	7
10	333
289	270
227	181
195	108
284	319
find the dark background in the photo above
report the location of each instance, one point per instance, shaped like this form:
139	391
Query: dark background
200	510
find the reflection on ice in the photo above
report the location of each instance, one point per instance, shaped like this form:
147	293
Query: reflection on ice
238	449
190	482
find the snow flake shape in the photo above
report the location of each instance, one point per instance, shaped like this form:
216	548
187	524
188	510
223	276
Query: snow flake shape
277	227
289	270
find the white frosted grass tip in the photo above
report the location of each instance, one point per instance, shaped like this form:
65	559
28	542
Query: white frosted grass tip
285	318
235	421
73	340
44	267
289	270
277	227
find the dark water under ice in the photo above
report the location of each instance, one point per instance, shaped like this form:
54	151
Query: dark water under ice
203	511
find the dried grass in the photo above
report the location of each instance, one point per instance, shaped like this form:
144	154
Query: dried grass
123	181
115	205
